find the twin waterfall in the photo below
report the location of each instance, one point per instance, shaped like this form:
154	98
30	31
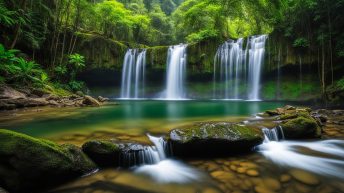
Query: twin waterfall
133	74
236	73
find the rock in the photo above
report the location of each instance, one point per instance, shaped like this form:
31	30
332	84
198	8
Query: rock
7	92
272	183
103	153
111	153
26	102
304	177
301	128
88	100
285	178
28	164
272	112
80	93
210	139
252	173
39	92
102	99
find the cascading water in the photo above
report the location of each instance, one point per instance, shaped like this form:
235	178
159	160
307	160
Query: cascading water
133	73
229	60
176	67
153	162
323	157
235	66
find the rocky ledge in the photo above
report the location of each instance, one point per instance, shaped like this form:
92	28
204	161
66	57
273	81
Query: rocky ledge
213	139
298	122
25	160
11	98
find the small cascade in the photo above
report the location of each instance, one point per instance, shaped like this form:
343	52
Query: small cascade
137	155
236	67
324	157
274	134
133	73
176	69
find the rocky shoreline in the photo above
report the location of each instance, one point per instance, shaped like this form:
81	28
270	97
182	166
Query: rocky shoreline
11	99
20	153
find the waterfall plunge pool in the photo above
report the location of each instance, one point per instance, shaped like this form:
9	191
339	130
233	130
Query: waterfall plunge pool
262	171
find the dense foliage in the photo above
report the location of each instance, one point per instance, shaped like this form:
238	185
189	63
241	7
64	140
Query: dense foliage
49	30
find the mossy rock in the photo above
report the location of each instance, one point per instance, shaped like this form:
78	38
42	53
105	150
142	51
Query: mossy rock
302	127
212	139
104	153
112	153
28	164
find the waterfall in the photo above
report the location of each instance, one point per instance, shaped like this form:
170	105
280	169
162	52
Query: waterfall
133	74
324	157
256	59
274	134
229	59
176	67
234	67
138	155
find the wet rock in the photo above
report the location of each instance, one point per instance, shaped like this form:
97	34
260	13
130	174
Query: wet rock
272	184
209	139
252	173
304	177
111	153
102	99
262	189
25	160
88	100
301	128
222	175
103	153
285	178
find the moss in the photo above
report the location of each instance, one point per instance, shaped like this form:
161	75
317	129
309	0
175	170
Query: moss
20	155
103	153
219	130
301	127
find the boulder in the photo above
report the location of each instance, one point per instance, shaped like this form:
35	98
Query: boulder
28	164
7	92
88	100
209	139
102	99
111	153
104	153
301	127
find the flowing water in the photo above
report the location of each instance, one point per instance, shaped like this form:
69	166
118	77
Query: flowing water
276	166
237	70
176	69
133	74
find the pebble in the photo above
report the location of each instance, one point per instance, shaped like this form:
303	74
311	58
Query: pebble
222	175
272	183
301	188
252	173
262	189
285	178
304	177
241	170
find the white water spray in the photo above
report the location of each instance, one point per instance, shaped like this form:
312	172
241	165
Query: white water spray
176	68
133	74
287	153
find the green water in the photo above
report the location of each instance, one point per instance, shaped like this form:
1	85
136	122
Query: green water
128	117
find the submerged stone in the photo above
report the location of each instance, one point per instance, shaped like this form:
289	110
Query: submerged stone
28	164
213	139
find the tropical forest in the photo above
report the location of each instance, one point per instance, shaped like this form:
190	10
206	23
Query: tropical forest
171	96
